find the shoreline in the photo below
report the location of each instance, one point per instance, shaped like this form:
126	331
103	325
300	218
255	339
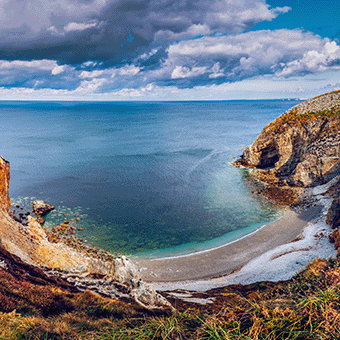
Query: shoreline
231	257
198	252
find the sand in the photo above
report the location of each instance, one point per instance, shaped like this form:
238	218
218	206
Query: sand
229	258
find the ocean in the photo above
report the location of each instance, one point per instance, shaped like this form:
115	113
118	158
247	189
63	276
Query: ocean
146	179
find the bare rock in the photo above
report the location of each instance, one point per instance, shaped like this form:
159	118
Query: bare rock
5	202
334	237
333	215
40	208
302	146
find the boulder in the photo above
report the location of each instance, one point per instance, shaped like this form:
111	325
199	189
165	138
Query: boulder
40	208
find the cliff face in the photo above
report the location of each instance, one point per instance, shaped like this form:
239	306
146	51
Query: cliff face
5	202
302	146
116	278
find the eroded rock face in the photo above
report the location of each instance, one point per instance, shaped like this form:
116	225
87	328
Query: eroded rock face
302	146
333	215
5	202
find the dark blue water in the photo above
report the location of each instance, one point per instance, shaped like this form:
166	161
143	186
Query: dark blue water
145	178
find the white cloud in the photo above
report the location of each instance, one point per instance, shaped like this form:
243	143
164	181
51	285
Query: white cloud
90	86
79	26
46	65
128	70
281	52
187	72
314	61
58	69
91	74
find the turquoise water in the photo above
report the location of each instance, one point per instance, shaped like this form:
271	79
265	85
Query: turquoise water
145	178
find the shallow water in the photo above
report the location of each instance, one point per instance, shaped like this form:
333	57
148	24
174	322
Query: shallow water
146	179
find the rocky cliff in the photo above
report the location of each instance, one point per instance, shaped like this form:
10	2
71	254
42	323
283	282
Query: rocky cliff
116	278
301	147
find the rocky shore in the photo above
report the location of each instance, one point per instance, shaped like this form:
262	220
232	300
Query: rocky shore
301	149
112	277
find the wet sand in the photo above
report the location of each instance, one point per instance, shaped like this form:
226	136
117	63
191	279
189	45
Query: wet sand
230	257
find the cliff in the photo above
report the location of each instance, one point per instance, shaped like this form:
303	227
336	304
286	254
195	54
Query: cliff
115	278
301	147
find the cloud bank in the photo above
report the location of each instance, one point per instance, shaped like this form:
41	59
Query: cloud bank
131	46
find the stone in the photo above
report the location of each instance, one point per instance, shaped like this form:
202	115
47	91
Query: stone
40	220
334	237
40	208
333	214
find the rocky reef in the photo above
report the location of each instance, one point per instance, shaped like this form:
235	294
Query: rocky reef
115	278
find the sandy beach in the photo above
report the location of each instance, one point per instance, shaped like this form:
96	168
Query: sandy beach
230	257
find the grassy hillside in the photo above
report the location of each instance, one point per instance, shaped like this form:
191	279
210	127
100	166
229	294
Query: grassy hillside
305	307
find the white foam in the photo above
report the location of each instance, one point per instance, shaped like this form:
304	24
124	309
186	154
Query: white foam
278	264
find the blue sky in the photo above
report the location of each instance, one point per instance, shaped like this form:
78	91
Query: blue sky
168	49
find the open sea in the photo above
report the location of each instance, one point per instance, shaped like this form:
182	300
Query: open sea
148	179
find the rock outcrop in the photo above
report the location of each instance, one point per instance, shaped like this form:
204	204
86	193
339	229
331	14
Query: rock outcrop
5	202
40	208
117	278
333	215
302	146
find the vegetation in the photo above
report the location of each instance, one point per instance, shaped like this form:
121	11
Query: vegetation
305	307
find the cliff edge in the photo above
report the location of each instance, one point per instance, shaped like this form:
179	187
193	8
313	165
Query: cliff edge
301	147
116	278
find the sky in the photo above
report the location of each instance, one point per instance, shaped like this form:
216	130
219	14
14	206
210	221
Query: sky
168	49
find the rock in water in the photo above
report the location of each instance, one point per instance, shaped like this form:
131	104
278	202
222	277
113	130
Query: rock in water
41	208
302	146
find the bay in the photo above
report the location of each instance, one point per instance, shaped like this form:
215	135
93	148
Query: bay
145	178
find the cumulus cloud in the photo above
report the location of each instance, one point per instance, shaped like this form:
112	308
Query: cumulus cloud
317	60
189	63
133	47
228	58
